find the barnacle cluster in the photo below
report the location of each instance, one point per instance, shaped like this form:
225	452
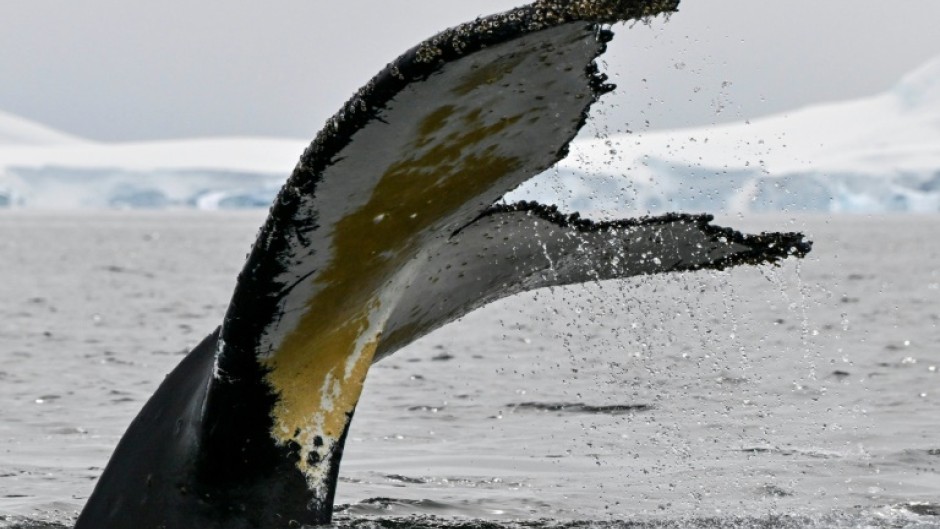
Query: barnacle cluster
602	11
542	15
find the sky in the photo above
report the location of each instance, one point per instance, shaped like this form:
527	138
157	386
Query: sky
114	70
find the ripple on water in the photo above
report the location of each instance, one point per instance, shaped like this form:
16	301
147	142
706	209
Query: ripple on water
405	479
923	509
906	516
578	407
908	520
17	523
395	513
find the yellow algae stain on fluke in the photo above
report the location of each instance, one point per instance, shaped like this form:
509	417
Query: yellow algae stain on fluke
453	160
335	368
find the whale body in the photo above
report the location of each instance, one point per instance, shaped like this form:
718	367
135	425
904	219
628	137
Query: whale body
390	226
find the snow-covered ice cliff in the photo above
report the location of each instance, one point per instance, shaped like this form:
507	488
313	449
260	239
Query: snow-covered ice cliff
880	153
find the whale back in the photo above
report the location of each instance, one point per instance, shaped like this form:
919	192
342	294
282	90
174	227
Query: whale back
149	471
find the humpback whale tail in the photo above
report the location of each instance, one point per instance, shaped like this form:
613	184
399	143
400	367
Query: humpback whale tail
387	229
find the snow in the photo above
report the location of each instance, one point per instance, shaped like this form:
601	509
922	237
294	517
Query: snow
880	153
15	130
233	154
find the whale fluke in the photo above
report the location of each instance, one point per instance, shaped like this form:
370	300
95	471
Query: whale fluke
514	248
390	226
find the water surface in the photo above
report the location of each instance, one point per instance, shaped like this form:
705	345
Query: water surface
804	395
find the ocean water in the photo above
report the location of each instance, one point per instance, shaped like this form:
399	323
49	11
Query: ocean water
806	395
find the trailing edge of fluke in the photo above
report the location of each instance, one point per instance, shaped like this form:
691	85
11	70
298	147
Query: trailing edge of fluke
386	230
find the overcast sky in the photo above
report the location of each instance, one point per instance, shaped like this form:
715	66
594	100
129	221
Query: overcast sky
120	70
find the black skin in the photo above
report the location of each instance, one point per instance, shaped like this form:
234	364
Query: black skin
163	479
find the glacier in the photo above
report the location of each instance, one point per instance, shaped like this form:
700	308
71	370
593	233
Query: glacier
876	154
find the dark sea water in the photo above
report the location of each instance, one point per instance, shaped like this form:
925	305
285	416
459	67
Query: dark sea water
801	396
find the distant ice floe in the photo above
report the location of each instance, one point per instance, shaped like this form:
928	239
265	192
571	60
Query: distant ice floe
210	173
876	154
54	187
